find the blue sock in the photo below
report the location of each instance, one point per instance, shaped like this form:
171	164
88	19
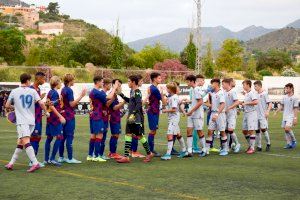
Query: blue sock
62	146
55	147
134	144
151	141
97	147
47	147
113	143
92	147
69	145
102	147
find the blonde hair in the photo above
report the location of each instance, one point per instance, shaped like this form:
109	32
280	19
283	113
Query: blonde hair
172	87
54	81
107	81
68	78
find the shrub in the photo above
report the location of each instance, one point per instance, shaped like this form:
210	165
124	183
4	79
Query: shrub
265	72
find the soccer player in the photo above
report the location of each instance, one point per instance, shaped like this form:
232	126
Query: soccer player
54	122
98	100
135	119
289	105
24	98
68	112
263	109
250	120
195	115
173	121
218	117
115	121
154	97
231	103
40	79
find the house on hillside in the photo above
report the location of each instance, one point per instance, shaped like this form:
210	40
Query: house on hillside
53	28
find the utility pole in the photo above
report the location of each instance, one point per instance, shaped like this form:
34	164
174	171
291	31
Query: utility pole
199	37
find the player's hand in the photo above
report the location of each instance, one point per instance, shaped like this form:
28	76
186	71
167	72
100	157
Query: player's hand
47	114
184	114
189	114
295	121
43	95
164	110
131	118
215	117
83	92
62	120
267	114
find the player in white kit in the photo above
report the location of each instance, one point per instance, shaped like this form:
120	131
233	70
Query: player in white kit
263	109
173	122
23	100
217	120
250	120
290	106
231	103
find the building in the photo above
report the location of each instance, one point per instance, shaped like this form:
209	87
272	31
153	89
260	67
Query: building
54	28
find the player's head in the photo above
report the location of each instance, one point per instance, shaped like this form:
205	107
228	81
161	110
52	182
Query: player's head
226	84
171	88
200	80
232	82
98	81
155	78
178	87
257	85
25	79
215	83
69	80
106	84
55	82
40	78
191	80
133	81
289	88
247	84
140	77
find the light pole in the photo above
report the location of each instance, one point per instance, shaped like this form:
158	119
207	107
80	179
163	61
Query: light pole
198	68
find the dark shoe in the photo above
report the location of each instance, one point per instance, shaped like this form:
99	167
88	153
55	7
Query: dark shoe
268	147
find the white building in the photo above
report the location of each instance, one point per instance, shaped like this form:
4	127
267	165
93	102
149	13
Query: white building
53	28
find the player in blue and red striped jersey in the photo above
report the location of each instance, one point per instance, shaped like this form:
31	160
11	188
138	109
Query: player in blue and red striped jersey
36	135
54	122
115	122
68	112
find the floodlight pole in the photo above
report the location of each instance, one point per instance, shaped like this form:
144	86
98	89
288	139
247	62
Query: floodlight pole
198	68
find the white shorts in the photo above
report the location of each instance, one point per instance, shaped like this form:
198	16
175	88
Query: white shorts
219	124
173	128
262	124
287	123
231	120
250	121
196	123
24	130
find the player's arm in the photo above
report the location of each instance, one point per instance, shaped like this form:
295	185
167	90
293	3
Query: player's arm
296	107
208	103
198	105
76	101
126	99
61	118
251	103
234	105
146	100
138	102
119	106
221	107
172	110
111	95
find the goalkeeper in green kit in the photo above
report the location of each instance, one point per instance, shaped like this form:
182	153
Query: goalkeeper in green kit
135	120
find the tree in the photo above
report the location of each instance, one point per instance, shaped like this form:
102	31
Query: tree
273	59
11	46
208	62
53	8
251	68
117	54
34	56
230	56
189	54
149	56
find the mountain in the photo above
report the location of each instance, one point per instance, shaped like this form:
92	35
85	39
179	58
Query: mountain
295	24
13	3
177	40
284	39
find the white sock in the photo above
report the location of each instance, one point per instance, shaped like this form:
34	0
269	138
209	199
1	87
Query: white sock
170	146
224	144
252	142
208	142
292	135
202	142
182	144
287	138
189	142
234	138
15	156
267	137
31	155
258	139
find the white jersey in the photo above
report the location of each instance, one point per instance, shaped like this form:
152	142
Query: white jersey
289	103
216	99
262	106
230	98
249	97
24	99
173	102
196	94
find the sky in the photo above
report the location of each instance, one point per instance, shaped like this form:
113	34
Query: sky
144	18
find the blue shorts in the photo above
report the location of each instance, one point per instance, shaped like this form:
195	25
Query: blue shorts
37	130
96	126
153	120
52	130
69	127
115	128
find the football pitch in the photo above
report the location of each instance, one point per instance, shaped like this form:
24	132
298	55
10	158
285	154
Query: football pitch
265	175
